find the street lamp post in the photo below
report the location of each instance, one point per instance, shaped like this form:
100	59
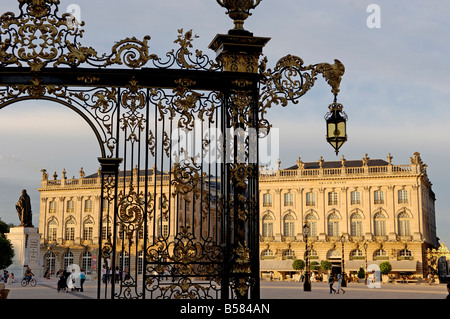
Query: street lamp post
307	283
344	282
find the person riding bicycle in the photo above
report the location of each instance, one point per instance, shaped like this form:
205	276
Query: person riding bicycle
28	275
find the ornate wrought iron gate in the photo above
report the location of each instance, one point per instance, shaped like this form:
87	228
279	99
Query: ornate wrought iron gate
179	144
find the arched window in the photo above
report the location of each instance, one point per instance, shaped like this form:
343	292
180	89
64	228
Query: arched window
86	262
356	220
124	260
68	260
141	262
70	229
379	224
356	254
334	254
333	225
313	253
267	226
88	228
163	227
403	222
289	225
312	222
52	230
106	228
380	254
51	262
288	254
267	253
405	254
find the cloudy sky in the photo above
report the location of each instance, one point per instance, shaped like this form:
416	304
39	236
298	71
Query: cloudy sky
396	89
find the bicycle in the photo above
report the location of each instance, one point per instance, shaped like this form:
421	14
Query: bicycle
32	282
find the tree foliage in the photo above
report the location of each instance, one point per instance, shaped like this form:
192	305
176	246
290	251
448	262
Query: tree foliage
361	273
298	264
6	253
385	268
326	265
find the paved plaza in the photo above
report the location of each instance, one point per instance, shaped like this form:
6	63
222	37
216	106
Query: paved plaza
46	289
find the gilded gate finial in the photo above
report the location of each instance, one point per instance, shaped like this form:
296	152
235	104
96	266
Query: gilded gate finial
239	10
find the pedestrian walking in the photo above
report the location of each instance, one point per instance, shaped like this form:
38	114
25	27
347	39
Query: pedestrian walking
104	274
82	279
331	283
339	287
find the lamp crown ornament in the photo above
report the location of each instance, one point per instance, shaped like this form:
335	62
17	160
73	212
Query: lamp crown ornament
239	10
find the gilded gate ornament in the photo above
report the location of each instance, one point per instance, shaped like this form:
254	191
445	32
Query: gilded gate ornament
135	108
239	10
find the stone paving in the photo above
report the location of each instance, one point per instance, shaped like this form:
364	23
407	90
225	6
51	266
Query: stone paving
46	289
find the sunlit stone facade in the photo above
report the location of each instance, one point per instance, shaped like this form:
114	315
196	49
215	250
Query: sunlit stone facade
70	210
389	207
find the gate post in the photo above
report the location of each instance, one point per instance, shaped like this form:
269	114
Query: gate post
239	52
109	171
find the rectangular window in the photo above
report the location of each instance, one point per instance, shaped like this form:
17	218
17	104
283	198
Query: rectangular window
356	228
70	206
70	233
310	199
104	234
333	228
380	228
52	234
87	233
88	206
288	199
52	207
332	198
312	228
267	200
378	197
355	198
403	196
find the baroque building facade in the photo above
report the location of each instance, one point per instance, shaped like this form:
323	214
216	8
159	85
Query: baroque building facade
71	209
359	212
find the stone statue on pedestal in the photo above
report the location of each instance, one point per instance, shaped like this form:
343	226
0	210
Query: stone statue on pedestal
23	208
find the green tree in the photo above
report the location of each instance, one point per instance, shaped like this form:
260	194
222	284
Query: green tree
325	265
361	273
385	268
314	265
6	253
4	228
298	264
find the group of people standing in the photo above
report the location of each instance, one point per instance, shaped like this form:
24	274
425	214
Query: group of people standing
7	278
70	281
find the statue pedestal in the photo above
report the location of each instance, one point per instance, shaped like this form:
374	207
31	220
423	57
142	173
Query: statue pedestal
25	242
